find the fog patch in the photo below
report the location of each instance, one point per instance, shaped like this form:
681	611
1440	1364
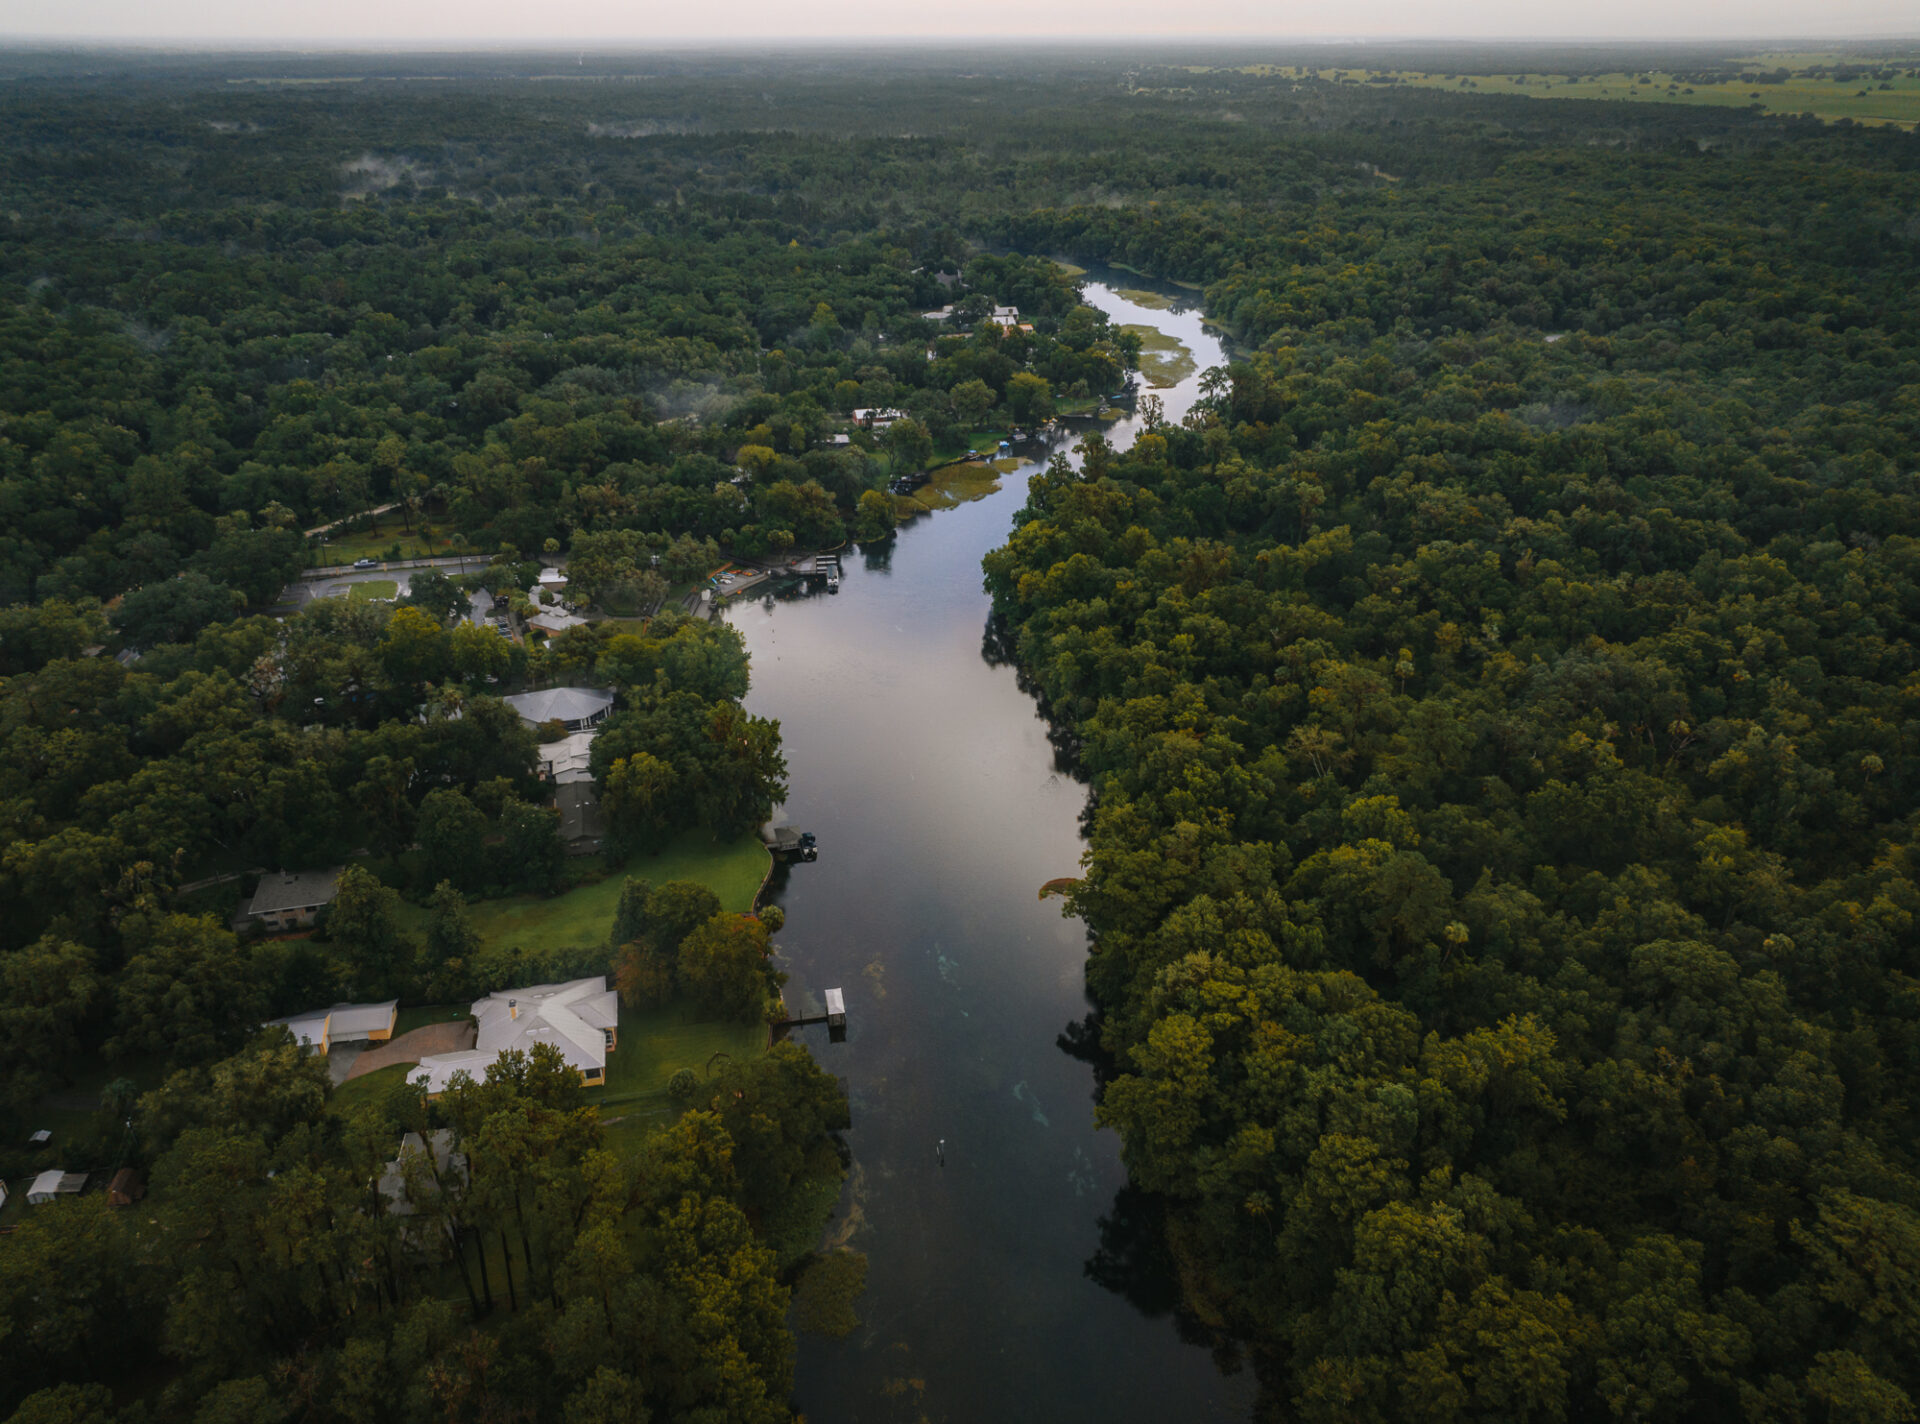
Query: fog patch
147	337
369	174
643	128
693	401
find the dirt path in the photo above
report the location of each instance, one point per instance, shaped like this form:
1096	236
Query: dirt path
412	1047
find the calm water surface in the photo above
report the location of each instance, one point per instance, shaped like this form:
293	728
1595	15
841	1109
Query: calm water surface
928	777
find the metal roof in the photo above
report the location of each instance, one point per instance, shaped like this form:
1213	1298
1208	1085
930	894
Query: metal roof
569	1016
560	704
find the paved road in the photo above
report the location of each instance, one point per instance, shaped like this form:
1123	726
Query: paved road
321	584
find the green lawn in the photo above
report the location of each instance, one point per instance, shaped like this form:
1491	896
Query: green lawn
653	1047
584	916
656	1044
372	589
344	548
370	1087
420	1015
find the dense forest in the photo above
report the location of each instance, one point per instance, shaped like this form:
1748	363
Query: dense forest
1497	699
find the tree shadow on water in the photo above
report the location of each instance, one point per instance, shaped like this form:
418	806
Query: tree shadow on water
1136	1264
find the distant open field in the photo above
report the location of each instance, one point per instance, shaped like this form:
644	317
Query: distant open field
1811	87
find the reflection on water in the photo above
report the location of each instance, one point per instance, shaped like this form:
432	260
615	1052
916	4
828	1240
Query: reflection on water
1018	1278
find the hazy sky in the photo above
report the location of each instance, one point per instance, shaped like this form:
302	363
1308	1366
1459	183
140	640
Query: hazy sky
458	23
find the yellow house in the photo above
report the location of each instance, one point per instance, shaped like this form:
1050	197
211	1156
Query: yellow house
320	1029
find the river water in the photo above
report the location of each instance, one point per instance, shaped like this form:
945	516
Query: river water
928	776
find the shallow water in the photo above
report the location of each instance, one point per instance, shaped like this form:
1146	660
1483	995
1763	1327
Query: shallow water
927	775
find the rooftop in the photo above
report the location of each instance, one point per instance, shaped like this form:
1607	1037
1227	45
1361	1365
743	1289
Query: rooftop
295	890
565	761
560	704
572	1017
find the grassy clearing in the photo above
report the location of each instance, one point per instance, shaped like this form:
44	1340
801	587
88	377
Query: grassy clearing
356	1093
373	589
655	1044
1164	360
1865	101
343	548
584	916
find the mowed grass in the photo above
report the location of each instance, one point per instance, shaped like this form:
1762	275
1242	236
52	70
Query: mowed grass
373	589
369	1087
655	1044
653	1047
584	916
342	548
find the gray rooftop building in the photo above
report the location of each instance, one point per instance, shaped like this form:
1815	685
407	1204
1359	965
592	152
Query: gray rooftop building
290	898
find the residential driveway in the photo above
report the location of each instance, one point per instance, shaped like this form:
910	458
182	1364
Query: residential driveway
412	1047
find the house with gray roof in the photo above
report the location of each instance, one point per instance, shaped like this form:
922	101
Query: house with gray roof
575	708
580	1019
291	899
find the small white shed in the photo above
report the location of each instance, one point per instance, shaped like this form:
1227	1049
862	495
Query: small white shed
836	1009
54	1183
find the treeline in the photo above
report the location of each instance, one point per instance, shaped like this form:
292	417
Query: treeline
1502	860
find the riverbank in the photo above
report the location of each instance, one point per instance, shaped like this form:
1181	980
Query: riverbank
933	782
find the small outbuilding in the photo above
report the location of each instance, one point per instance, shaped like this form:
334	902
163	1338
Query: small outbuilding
54	1183
126	1188
836	1009
319	1029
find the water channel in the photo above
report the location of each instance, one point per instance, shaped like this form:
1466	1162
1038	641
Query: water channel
928	776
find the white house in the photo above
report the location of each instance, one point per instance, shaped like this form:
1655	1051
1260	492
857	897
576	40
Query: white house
565	762
581	1019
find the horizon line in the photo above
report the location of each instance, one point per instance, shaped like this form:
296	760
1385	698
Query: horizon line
209	44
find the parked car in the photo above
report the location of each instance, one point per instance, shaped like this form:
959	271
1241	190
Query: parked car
366	563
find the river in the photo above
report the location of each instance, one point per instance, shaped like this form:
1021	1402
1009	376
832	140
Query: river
928	777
